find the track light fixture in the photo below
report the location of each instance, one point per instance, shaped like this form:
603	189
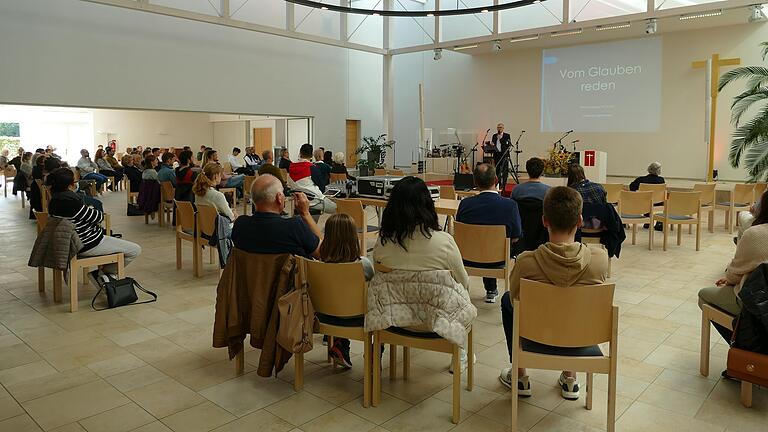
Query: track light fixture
438	54
496	45
414	14
756	13
652	26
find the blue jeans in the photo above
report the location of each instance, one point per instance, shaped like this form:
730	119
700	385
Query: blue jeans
100	179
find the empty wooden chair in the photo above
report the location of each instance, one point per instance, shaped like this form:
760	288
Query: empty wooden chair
659	192
338	177
206	226
354	209
707	202
186	219
167	194
247	183
637	208
42	219
710	314
760	188
345	300
740	199
613	191
448	192
681	208
542	339
485	244
9	175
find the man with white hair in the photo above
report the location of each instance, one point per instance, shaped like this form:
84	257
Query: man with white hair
653	177
88	169
267	232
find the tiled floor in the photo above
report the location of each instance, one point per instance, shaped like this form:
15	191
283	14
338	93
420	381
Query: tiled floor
151	368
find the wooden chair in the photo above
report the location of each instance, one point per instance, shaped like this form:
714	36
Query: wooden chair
613	192
228	191
338	177
707	202
9	175
379	172
710	314
111	182
396	172
343	300
247	183
760	188
206	225
354	209
45	194
542	339
485	244
740	199
167	194
681	208
285	174
659	192
637	208
42	220
227	168
448	192
132	197
186	219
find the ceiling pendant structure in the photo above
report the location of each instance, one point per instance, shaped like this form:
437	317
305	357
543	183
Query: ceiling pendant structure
414	14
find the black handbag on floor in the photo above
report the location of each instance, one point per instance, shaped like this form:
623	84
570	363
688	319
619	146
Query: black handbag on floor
122	292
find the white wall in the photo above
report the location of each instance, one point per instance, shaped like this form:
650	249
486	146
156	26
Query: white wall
463	91
228	135
75	53
152	128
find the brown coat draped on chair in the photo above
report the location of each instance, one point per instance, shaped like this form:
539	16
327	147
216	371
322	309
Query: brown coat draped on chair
246	303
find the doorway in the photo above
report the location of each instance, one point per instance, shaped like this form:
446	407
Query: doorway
353	141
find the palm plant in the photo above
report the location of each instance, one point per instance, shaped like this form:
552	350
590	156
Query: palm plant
750	139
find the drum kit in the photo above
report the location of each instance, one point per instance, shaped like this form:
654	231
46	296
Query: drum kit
447	150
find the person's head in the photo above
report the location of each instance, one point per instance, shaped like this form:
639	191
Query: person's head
562	211
209	177
654	168
305	152
137	159
50	149
285	154
500	128
127	160
5	152
410	208
202	148
100	147
338	158
26	158
485	176
184	157
84	153
146	153
762	215
99	154
51	164
340	243
575	174
20	152
235	151
534	167
150	161
156	152
318	154
110	151
210	156
40	161
267	194
328	157
168	158
186	148
267	156
60	180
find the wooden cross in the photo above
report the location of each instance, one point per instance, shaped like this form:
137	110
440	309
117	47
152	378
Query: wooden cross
712	66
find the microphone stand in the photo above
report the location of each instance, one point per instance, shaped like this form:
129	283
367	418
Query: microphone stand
560	141
516	166
485	137
502	169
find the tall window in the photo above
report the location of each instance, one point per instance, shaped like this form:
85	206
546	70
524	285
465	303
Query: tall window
9	138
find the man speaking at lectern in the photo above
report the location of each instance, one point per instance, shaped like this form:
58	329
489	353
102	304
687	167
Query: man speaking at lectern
500	142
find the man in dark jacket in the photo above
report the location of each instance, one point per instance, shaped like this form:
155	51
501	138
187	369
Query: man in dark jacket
653	177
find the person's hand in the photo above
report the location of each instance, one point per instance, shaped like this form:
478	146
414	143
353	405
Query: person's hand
301	203
721	282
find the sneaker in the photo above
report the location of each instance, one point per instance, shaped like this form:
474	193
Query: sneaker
523	383
340	357
463	364
325	340
490	296
569	387
93	278
659	226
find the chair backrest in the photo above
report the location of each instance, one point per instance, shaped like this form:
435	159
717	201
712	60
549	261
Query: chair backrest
285	174
185	216
760	188
206	219
42	220
613	192
354	209
10	171
635	203
227	168
481	243
396	172
247	183
45	194
448	192
338	177
541	314
167	190
659	191
379	171
683	203
707	192
337	290
531	210
744	193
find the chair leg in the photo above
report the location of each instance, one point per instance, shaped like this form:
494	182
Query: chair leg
58	279
73	290
634	234
330	344
666	235
690	229
376	384
367	371
178	253
711	221
456	385
298	381
698	235
392	362
704	353
86	282
590	381
41	279
746	394
406	362
198	260
121	266
612	401
240	362
731	216
211	253
471	360
679	234
650	235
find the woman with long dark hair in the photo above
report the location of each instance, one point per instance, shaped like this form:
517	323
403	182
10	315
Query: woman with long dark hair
591	193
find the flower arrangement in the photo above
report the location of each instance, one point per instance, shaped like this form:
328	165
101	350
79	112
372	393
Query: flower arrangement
556	163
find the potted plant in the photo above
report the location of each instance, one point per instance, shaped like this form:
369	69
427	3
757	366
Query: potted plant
375	150
750	139
556	165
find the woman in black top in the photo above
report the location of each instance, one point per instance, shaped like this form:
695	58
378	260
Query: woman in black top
132	172
338	166
65	203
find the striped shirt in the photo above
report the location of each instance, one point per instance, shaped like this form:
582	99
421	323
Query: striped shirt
87	220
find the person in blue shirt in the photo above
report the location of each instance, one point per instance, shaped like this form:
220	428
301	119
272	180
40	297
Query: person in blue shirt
490	208
533	188
166	173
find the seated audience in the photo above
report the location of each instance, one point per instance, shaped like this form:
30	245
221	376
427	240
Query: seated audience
23	179
653	177
229	181
338	166
110	157
533	188
50	151
4	158
16	161
205	191
267	232
67	204
138	160
156	152
185	175
592	194
268	166
328	158
285	159
132	172
489	208
325	169
234	160
746	219
751	251
201	153
307	177
150	163
341	245
88	169
166	172
562	262
105	168
252	160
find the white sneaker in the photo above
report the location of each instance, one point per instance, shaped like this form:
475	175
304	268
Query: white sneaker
523	382
569	387
463	361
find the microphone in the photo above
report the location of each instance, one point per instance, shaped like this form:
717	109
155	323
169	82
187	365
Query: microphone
574	142
570	131
489	129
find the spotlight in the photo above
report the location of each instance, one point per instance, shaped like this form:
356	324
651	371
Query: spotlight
438	54
496	46
757	14
652	26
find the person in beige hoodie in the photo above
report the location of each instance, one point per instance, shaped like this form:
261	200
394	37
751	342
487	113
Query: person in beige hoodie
563	262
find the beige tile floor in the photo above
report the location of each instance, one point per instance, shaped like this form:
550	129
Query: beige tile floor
151	368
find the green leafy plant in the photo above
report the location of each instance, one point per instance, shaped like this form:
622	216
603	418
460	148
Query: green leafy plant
749	145
375	149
